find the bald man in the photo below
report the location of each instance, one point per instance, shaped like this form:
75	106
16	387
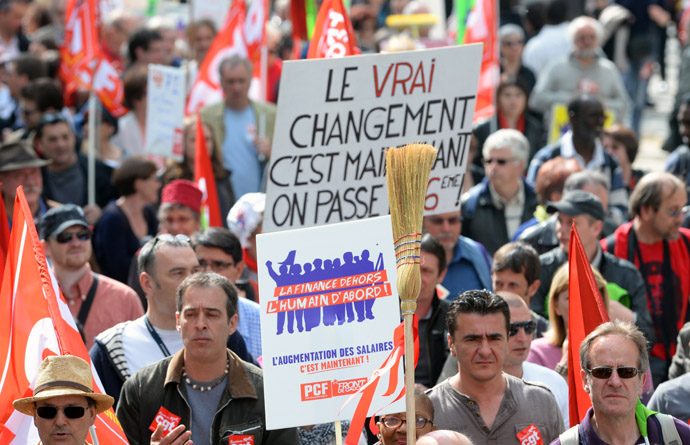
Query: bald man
443	437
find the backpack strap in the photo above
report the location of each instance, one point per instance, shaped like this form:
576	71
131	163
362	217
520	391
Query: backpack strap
669	433
570	436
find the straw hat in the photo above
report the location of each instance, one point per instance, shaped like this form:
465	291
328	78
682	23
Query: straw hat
63	375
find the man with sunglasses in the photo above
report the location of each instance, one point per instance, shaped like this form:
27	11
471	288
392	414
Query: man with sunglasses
63	404
614	363
66	178
481	401
494	209
522	329
96	301
660	249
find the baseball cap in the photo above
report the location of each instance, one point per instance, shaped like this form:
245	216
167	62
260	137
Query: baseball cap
577	202
58	219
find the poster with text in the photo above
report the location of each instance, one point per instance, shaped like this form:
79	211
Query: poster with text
329	306
165	111
336	118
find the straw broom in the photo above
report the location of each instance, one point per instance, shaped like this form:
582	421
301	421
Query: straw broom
407	170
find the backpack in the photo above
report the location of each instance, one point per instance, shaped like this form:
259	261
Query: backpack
669	434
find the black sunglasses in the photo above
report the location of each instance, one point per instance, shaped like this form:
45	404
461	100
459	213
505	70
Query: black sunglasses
528	326
146	255
51	118
71	412
82	235
395	422
605	372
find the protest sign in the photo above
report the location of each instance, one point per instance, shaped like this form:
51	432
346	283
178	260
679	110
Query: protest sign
165	111
329	306
336	118
560	122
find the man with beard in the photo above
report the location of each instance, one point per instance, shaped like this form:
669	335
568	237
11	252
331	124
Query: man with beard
585	70
655	242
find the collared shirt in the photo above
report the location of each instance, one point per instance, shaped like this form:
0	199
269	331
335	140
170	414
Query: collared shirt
113	303
568	151
512	209
249	325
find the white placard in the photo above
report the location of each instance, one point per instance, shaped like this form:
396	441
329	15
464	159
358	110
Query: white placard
315	357
336	118
165	111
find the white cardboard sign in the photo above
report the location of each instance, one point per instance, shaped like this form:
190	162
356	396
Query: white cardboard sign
329	307
336	118
165	111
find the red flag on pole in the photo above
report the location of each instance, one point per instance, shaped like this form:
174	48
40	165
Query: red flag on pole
229	41
205	180
586	312
35	323
333	34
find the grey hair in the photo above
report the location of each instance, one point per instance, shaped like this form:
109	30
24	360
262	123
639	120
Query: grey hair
620	328
508	138
510	29
577	181
582	21
232	62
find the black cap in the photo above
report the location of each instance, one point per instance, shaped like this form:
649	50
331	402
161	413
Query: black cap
58	219
577	202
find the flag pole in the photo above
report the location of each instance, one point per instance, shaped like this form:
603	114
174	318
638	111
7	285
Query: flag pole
91	170
92	432
338	433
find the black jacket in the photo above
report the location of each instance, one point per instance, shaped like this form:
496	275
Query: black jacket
435	348
105	191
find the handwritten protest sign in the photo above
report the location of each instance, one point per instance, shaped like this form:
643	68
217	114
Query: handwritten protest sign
329	307
165	111
336	118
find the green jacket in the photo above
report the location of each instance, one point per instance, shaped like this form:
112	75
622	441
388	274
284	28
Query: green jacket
241	407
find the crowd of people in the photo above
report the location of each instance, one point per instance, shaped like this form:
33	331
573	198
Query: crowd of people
170	311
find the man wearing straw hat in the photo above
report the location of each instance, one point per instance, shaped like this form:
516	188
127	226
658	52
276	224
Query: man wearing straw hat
63	405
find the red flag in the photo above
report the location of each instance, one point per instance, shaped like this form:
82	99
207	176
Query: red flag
257	50
83	63
205	180
229	41
333	34
482	26
298	17
4	235
35	322
586	312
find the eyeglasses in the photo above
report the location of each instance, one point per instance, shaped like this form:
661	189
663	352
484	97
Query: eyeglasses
605	372
437	220
66	237
147	254
51	118
71	412
215	265
674	213
528	326
395	422
490	161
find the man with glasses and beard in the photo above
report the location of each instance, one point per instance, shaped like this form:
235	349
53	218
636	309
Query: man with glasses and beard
63	404
96	301
614	363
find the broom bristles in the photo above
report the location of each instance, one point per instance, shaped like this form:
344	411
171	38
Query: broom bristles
407	170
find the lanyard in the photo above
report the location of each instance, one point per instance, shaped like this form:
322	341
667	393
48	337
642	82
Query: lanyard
156	337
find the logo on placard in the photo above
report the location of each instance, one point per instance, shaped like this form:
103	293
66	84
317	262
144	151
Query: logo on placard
157	77
240	440
328	389
326	291
530	436
165	418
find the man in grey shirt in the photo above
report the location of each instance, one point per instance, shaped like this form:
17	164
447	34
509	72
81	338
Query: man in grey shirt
481	401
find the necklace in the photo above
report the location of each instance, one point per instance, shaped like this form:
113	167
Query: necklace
209	387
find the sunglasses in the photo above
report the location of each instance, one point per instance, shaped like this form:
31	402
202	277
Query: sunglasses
71	412
395	422
528	326
490	161
605	372
165	238
65	237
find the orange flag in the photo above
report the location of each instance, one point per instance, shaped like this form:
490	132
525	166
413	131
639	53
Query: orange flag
35	323
586	312
229	41
333	34
205	180
4	235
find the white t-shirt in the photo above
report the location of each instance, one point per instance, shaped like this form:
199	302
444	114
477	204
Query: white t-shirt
553	380
141	349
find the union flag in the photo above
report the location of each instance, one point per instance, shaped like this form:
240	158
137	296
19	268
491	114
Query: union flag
333	34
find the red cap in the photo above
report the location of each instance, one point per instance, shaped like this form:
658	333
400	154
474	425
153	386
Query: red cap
183	192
